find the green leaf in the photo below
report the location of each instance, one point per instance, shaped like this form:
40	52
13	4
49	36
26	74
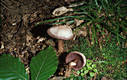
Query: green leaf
89	64
94	66
95	70
44	64
78	72
89	68
85	72
84	68
89	61
91	74
11	68
82	74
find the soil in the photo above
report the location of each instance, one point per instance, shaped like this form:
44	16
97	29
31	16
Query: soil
18	35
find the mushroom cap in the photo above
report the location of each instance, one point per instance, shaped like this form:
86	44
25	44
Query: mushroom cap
78	57
63	32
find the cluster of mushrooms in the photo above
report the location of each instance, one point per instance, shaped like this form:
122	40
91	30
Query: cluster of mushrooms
75	60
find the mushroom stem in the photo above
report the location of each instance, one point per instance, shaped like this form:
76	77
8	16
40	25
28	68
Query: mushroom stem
60	46
72	64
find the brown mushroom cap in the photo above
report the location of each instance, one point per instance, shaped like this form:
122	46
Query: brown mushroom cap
76	57
63	32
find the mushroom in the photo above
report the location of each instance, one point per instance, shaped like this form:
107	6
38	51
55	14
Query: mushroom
61	32
76	60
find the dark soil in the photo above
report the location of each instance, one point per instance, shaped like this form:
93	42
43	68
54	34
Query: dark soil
18	35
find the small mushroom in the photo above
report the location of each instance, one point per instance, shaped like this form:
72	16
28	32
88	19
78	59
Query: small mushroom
76	60
62	32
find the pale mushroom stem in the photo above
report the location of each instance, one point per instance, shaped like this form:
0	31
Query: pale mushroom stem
73	63
60	46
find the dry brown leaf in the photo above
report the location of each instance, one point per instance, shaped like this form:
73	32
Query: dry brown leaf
61	10
83	32
78	22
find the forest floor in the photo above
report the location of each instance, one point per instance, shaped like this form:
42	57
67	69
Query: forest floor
100	33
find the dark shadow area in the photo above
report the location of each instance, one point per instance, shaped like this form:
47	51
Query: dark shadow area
61	64
40	30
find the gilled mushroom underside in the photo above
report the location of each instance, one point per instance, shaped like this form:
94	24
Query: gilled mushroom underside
77	59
